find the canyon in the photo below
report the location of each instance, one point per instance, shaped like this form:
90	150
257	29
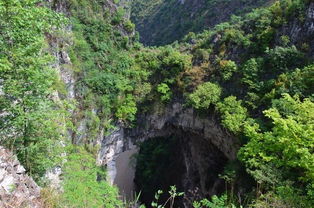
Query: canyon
131	106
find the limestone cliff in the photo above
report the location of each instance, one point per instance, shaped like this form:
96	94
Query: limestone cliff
17	189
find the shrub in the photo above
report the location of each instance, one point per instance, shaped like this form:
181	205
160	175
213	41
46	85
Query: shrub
81	187
232	113
165	92
201	54
126	108
281	59
129	26
227	68
206	94
216	202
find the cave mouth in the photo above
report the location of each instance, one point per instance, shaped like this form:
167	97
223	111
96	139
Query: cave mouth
180	158
160	164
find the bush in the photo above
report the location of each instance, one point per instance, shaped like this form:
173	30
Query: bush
281	59
227	68
81	187
232	113
129	26
126	109
206	94
165	92
216	202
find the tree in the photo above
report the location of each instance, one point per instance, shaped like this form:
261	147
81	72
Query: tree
289	145
250	71
165	92
232	113
206	94
81	187
281	59
30	120
126	109
227	68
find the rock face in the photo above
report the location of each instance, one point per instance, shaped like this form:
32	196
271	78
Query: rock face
205	147
16	188
154	125
300	32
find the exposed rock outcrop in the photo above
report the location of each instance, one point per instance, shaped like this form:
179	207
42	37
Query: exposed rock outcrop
17	189
301	31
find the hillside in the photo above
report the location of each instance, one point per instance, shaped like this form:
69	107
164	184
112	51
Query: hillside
219	118
162	22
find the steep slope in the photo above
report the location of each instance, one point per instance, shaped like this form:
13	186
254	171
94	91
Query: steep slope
256	73
80	87
162	22
16	188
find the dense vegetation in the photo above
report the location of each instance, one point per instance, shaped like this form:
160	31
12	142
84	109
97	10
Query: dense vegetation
255	75
30	119
260	81
161	22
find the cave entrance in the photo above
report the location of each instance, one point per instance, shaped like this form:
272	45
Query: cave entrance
160	164
180	158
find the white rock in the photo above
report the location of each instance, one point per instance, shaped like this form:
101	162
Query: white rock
20	169
8	183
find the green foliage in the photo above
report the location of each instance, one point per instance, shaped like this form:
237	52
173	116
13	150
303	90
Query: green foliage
165	63
233	114
283	196
115	74
101	54
118	17
289	144
282	59
162	22
206	94
216	202
30	119
129	26
298	82
172	63
269	200
250	72
227	68
165	92
84	184
201	54
126	108
170	201
164	66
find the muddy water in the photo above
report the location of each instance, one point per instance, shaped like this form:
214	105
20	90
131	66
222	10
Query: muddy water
125	166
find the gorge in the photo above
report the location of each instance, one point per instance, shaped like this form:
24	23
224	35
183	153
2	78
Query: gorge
162	104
